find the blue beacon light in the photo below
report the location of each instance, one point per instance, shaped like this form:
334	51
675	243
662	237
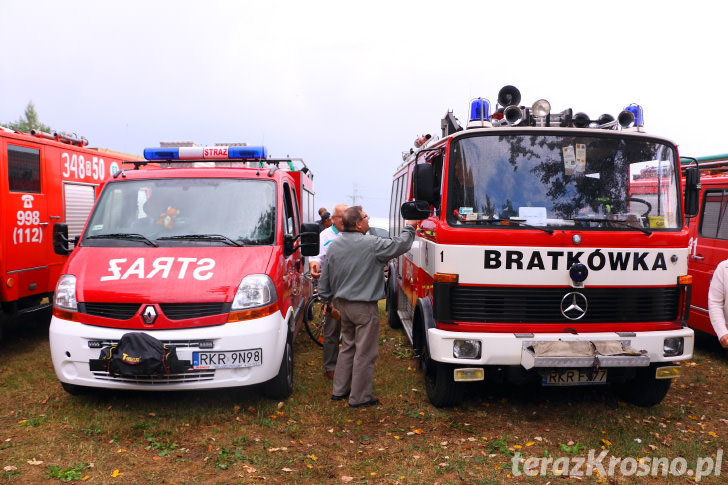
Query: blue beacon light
636	110
479	110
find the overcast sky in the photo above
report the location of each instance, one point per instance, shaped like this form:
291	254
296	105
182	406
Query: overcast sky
348	86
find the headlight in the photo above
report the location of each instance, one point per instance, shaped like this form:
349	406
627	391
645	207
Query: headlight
466	349
254	291
672	346
65	295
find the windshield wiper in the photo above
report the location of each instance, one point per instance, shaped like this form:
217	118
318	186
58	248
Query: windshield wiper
513	221
129	236
610	221
203	237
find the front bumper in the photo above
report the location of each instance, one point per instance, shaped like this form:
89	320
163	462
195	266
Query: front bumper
71	353
510	349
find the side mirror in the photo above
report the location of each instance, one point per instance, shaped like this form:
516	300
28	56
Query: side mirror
415	210
309	239
692	191
309	236
423	180
60	239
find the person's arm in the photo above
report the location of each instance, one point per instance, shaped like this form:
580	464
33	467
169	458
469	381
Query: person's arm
716	304
315	262
324	286
387	249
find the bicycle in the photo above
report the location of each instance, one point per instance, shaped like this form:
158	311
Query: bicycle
314	317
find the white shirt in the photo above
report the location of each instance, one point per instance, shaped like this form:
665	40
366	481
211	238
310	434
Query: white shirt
717	301
326	237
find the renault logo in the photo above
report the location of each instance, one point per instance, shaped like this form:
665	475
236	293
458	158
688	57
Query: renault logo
149	315
574	305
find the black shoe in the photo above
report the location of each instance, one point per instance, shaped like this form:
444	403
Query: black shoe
334	397
372	402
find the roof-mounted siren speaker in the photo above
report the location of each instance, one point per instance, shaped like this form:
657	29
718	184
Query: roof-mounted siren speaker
626	119
513	115
581	120
631	116
509	96
479	113
605	119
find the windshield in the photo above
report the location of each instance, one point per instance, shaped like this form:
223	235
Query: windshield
184	212
556	180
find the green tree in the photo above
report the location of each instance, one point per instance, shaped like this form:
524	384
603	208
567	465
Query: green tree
28	122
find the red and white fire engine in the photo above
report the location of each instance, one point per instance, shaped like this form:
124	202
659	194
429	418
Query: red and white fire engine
538	257
44	178
708	234
206	258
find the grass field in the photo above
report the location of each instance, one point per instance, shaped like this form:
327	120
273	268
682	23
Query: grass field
237	436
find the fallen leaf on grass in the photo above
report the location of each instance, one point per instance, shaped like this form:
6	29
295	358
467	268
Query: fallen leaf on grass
33	461
116	473
10	468
713	434
346	479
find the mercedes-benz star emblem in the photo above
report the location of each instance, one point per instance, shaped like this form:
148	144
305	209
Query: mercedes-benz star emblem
574	305
149	315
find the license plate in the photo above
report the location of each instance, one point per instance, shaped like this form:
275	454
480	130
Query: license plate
573	377
228	359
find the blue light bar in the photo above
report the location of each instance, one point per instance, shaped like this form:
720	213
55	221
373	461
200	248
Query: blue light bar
248	152
161	153
636	110
479	110
206	153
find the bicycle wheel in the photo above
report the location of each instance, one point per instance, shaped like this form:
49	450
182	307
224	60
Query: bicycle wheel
314	319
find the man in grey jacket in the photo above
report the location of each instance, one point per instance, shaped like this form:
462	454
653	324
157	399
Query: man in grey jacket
353	277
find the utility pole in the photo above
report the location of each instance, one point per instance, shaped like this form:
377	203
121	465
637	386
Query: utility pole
355	196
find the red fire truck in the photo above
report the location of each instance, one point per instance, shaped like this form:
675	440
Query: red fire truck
708	234
205	262
536	258
44	178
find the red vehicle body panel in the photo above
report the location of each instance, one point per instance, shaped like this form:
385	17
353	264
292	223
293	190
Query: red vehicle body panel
42	181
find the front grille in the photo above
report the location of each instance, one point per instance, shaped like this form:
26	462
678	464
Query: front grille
117	311
173	311
189	376
543	305
179	344
181	311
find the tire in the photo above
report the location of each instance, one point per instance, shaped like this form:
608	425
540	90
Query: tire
442	390
392	317
644	390
314	320
75	390
281	386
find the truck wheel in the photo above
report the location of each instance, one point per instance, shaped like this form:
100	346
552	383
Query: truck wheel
75	390
392	317
442	390
645	390
281	386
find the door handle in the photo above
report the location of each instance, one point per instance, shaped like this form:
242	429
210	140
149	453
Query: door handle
699	258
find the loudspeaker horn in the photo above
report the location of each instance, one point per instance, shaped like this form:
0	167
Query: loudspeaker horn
509	95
